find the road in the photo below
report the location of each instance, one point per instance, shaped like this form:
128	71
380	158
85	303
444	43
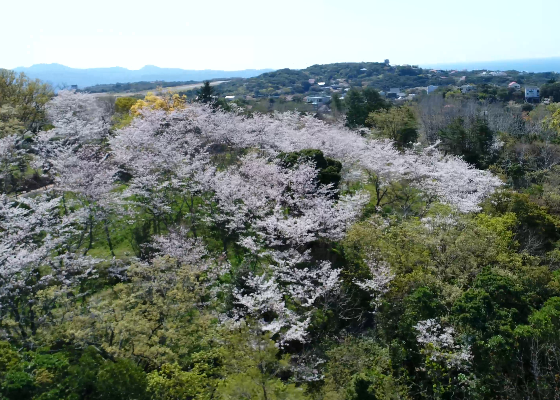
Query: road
172	89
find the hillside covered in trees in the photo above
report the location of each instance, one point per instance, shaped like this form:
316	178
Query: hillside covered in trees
379	76
171	249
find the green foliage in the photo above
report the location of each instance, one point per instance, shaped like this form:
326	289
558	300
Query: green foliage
361	369
123	104
50	375
22	103
123	116
397	123
360	104
329	169
551	89
254	368
170	382
380	76
97	378
536	229
206	93
336	103
488	279
472	140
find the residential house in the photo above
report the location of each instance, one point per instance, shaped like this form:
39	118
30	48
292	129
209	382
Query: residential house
514	85
431	89
467	88
317	100
395	93
229	98
312	81
532	94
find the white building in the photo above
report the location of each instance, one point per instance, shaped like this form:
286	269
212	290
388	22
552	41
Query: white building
467	88
532	94
230	98
431	89
514	85
395	93
318	100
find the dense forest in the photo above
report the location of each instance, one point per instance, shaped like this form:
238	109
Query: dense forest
171	249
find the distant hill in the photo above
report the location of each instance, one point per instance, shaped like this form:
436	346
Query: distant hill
551	64
339	77
58	74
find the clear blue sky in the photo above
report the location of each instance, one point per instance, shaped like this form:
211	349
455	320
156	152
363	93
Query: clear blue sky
240	34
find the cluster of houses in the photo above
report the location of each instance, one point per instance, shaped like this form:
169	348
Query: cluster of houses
321	91
493	73
319	99
532	93
393	93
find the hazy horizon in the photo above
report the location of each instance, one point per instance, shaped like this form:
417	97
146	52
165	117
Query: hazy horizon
475	64
250	35
137	69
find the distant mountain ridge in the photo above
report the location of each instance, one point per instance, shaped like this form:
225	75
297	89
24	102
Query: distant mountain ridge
550	64
58	74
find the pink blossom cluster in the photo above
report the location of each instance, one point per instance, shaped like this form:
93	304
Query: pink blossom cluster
440	345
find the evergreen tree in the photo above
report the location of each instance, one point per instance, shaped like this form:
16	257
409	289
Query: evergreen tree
361	104
473	142
206	93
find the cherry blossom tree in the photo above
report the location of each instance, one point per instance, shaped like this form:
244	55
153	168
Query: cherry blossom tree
37	251
12	159
164	160
276	212
282	303
78	116
75	157
452	180
447	359
381	277
270	205
164	156
88	173
440	344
